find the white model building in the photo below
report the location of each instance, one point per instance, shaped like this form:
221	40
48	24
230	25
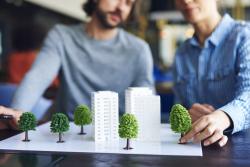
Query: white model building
142	102
105	116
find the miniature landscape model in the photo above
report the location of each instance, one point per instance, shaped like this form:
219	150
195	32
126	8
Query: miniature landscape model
100	130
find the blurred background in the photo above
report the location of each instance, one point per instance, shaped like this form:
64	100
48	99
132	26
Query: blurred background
25	23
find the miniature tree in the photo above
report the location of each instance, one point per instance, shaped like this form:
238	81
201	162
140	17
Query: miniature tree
128	128
82	116
180	119
27	122
59	124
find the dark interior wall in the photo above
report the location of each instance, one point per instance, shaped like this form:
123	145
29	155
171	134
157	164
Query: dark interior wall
25	26
162	5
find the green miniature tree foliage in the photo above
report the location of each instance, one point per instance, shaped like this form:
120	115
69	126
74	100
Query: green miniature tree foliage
59	124
27	122
128	128
180	119
82	116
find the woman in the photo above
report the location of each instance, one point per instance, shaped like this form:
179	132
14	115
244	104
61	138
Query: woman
212	72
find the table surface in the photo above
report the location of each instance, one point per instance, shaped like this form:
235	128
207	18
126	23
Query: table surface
235	154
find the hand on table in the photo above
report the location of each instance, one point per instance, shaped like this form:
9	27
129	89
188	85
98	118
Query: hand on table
209	129
198	110
13	123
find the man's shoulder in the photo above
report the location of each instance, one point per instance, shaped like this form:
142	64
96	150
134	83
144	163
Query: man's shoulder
66	29
132	41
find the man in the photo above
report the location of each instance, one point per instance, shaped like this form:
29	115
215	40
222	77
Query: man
92	57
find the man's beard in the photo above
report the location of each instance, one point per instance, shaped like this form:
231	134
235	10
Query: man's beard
103	18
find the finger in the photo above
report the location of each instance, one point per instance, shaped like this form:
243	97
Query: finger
194	115
14	122
214	138
223	141
3	110
195	112
196	138
7	111
197	127
210	107
206	133
202	109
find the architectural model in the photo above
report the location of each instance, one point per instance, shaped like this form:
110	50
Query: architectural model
27	122
59	124
180	119
44	141
128	128
105	116
82	116
141	102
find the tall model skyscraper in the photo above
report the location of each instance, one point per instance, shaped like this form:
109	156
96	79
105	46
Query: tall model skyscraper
141	102
106	115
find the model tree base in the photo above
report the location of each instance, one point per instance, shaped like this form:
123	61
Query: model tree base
82	133
60	141
26	140
127	148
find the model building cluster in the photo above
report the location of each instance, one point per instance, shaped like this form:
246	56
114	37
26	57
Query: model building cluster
141	120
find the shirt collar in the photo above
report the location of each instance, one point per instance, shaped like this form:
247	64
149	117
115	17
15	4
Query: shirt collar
219	33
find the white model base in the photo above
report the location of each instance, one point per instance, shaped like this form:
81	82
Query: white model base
42	140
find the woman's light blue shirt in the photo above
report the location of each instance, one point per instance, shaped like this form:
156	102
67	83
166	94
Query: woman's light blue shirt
217	73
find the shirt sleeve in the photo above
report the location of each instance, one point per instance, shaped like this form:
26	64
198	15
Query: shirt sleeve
144	75
239	108
43	71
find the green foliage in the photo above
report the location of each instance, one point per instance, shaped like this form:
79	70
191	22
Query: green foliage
59	123
82	115
180	119
27	122
128	127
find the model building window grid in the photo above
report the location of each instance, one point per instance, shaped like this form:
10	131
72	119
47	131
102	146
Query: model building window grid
106	113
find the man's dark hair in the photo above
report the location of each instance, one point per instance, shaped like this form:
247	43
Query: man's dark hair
90	6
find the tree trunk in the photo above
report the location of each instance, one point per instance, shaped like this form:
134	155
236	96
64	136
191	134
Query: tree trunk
128	145
60	138
82	131
26	139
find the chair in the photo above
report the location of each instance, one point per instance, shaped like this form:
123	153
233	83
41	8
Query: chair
7	92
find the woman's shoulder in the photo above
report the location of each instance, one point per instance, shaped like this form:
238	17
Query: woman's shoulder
241	30
184	47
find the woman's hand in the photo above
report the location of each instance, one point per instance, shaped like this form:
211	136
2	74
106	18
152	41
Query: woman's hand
209	129
198	110
13	123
